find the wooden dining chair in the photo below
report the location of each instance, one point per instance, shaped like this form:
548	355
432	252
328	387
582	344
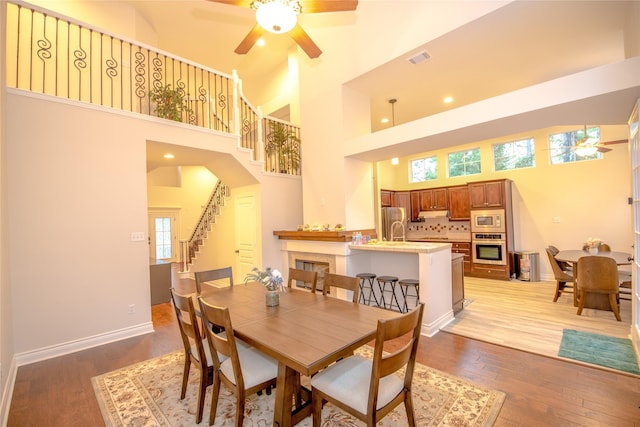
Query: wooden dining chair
220	274
598	275
565	266
196	351
244	371
561	276
344	282
369	389
308	278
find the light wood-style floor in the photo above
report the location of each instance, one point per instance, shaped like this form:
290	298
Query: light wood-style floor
522	315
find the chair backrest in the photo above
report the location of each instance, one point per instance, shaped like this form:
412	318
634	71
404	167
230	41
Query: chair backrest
598	274
604	247
210	275
558	273
553	250
339	281
387	363
190	328
308	277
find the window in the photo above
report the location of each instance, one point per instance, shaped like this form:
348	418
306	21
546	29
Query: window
163	238
424	169
562	146
464	163
514	155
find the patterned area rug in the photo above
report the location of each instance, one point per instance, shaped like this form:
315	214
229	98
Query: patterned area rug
610	352
148	394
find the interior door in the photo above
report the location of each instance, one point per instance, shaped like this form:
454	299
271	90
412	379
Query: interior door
246	237
634	146
163	234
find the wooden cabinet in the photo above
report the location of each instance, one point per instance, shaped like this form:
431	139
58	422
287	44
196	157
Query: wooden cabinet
433	199
386	198
459	206
415	205
488	194
402	199
457	283
464	249
499	272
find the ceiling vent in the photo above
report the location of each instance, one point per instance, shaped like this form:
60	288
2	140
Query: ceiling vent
420	57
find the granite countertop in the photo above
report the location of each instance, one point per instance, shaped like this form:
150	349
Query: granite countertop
409	247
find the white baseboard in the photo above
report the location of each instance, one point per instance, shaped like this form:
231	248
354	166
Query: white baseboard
81	344
8	392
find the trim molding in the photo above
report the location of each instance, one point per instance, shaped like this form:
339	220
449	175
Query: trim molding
7	394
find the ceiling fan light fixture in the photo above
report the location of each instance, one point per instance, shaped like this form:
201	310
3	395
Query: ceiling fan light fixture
585	151
277	16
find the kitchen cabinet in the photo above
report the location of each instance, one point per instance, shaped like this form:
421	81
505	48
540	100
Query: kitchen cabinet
457	282
488	194
459	206
402	199
415	205
498	272
464	249
386	198
434	199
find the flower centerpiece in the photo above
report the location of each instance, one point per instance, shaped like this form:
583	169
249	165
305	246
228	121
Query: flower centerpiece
271	279
592	244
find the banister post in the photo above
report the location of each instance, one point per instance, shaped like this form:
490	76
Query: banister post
260	148
237	90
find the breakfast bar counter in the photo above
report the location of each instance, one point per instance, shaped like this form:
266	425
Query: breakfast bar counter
430	263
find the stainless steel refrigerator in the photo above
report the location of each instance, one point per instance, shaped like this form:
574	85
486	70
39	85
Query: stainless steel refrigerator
390	216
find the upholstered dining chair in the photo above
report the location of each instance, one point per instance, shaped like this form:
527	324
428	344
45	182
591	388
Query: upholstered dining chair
196	351
309	278
339	281
244	371
565	266
598	275
561	276
225	274
367	388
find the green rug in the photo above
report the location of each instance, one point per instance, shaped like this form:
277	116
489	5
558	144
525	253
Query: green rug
601	350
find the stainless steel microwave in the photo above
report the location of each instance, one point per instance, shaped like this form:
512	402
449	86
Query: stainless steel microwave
488	220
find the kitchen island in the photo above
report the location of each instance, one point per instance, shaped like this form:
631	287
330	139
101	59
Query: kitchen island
430	263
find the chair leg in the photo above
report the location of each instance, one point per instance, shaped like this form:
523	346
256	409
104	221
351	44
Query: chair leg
214	399
240	407
316	402
581	301
185	375
202	391
558	291
408	405
614	306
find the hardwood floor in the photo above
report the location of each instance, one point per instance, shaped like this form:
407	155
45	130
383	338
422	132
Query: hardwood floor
541	391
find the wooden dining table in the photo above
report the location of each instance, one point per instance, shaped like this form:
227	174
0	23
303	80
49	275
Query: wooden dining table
305	333
572	256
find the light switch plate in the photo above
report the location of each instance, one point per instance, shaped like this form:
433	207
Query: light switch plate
138	236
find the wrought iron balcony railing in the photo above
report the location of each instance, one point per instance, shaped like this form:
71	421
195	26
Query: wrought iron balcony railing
55	55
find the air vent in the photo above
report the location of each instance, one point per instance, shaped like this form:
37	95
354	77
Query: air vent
420	57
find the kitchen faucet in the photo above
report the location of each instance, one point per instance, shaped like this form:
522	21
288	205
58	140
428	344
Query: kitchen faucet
403	230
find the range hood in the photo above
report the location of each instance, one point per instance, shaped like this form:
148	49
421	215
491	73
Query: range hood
433	214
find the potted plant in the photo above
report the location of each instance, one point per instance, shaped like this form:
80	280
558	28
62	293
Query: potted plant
284	144
169	103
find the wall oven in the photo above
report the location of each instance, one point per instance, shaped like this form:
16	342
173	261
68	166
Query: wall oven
489	248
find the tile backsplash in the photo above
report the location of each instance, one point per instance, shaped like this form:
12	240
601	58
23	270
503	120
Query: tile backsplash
440	227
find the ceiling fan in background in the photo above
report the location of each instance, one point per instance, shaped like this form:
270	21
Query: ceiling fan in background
588	147
281	16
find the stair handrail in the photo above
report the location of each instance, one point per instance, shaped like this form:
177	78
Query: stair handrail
202	227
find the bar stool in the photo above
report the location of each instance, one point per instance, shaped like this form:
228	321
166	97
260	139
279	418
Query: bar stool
405	284
366	280
382	284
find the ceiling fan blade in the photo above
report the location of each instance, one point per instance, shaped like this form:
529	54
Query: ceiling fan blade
619	141
241	3
603	149
319	6
304	41
250	39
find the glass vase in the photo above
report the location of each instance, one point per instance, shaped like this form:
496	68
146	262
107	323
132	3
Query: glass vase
593	250
272	298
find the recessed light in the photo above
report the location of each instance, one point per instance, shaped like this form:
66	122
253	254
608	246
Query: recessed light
448	100
260	42
395	161
384	120
169	156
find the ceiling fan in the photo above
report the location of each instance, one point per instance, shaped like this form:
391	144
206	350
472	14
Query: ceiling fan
588	147
281	16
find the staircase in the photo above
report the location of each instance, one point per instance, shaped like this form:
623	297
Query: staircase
189	248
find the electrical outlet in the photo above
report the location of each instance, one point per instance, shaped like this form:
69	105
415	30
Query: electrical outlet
132	308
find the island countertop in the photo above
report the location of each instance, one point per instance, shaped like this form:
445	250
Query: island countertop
410	247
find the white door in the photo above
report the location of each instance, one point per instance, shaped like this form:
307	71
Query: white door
634	146
246	237
163	234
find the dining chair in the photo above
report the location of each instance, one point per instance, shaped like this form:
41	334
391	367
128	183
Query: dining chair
225	274
598	275
565	266
561	276
307	277
367	388
196	351
244	372
339	281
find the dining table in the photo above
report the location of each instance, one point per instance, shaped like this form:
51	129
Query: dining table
599	302
305	333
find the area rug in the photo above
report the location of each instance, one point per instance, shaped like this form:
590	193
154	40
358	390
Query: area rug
610	352
148	394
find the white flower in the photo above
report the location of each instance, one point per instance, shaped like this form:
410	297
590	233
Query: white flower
269	278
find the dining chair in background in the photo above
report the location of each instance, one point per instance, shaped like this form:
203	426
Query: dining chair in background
309	278
223	275
561	276
339	281
196	351
565	266
366	388
598	275
244	371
